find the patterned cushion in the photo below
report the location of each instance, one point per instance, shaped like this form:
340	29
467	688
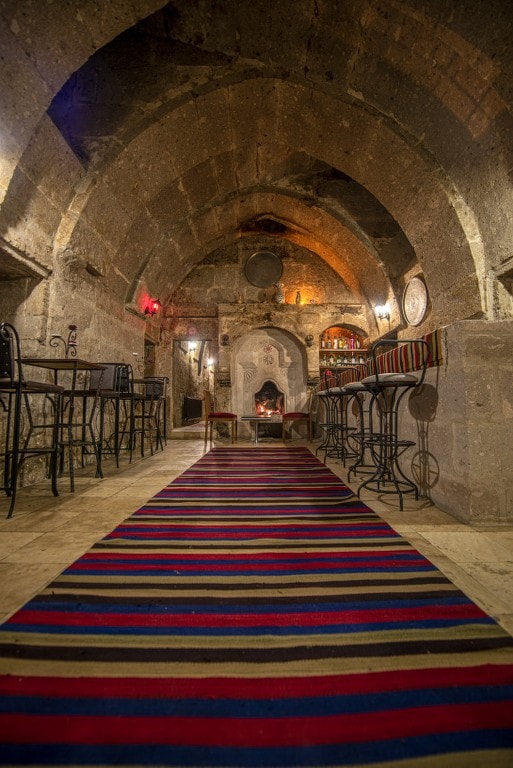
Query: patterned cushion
222	415
295	415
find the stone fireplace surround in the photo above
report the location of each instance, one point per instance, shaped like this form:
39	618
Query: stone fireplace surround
268	354
268	342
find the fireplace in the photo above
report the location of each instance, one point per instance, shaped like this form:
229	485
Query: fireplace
269	400
263	358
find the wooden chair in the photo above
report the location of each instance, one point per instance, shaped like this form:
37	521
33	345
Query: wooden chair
298	417
215	417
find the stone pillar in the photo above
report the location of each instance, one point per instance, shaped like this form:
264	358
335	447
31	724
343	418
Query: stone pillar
468	427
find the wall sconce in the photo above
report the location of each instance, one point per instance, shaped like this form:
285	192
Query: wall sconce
70	344
192	345
382	311
152	307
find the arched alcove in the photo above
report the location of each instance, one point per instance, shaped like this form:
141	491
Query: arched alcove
268	354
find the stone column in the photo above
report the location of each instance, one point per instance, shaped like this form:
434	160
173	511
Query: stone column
465	415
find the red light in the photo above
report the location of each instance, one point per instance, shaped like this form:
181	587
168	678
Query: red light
152	307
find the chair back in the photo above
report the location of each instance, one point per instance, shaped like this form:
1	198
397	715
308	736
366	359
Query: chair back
123	379
402	356
155	386
10	356
103	379
207	398
116	377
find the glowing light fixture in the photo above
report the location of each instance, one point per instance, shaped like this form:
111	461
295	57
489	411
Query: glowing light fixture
382	311
192	345
152	307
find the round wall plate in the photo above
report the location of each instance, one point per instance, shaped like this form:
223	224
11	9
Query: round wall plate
263	269
415	301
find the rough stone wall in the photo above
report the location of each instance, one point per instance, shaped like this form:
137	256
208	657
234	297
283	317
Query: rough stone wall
216	302
220	278
462	422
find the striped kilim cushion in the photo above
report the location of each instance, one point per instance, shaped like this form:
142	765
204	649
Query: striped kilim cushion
408	357
255	613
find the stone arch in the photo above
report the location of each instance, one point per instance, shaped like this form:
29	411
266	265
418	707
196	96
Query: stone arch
405	181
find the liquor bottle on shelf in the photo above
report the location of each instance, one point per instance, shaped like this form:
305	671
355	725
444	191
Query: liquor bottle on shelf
323	341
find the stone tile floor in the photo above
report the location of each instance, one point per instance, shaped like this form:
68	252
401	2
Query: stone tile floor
46	534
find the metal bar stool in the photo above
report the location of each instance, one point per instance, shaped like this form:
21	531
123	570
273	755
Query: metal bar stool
113	393
337	427
20	399
393	377
328	419
80	406
147	413
155	407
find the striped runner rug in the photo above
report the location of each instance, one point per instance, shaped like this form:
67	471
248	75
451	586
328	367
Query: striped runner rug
255	613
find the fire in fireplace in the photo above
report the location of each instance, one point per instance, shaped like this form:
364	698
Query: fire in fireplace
269	400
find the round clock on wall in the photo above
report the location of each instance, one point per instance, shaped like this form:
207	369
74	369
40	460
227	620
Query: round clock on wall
415	301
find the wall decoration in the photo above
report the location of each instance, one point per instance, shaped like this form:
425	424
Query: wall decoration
415	301
263	269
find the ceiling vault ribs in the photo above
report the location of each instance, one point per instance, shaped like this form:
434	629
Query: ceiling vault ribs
353	126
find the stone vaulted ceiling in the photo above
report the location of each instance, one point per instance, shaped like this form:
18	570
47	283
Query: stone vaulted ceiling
376	135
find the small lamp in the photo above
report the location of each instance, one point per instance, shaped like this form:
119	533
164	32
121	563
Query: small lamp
152	307
382	311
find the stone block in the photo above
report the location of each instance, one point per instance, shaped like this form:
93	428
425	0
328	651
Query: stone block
29	220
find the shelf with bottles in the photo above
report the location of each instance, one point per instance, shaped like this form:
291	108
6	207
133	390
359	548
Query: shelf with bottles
342	357
340	347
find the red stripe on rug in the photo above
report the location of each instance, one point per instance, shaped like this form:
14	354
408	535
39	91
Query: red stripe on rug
240	619
261	732
258	688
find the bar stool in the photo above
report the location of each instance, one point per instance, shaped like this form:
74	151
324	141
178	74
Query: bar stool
134	410
362	403
154	411
114	393
328	419
338	429
16	396
145	412
393	377
78	424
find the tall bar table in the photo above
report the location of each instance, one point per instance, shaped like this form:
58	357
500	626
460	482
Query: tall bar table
67	423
